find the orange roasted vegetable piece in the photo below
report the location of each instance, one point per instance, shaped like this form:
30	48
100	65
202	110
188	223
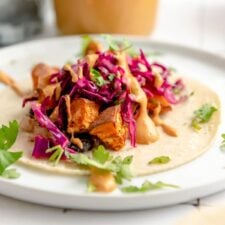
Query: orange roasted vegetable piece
109	128
41	74
83	112
154	102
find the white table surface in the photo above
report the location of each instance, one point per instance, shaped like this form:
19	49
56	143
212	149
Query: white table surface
199	23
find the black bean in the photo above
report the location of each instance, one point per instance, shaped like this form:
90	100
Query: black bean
89	142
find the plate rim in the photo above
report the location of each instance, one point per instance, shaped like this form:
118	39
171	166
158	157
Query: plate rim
198	51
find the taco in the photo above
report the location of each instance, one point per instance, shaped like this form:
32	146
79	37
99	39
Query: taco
122	101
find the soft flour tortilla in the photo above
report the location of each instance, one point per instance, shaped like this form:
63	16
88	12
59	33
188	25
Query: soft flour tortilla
182	149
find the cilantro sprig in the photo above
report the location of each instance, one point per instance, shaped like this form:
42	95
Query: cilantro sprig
222	146
103	160
115	45
159	160
85	41
147	186
97	77
8	136
202	115
57	153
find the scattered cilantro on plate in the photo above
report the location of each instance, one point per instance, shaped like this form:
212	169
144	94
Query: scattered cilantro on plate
147	186
97	77
202	115
222	146
159	160
57	153
8	136
86	39
103	160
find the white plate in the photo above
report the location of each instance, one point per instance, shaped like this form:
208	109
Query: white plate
201	177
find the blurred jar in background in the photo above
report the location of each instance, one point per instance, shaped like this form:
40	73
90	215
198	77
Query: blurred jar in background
19	20
105	16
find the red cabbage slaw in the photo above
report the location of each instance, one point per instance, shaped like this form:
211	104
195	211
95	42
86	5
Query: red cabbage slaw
112	90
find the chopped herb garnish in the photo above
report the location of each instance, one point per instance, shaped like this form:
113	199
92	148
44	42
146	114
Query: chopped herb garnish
86	39
222	146
111	77
202	115
97	77
57	153
159	160
8	136
191	94
103	160
147	186
10	174
101	155
115	45
123	168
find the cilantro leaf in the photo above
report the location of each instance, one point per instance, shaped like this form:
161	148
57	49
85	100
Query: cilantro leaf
57	153
101	155
8	135
111	42
115	45
97	77
202	115
123	173
10	174
147	186
123	168
84	160
128	160
8	158
222	146
103	160
160	160
86	39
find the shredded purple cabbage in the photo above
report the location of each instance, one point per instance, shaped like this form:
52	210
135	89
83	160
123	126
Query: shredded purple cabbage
142	70
41	144
58	137
62	116
114	90
128	117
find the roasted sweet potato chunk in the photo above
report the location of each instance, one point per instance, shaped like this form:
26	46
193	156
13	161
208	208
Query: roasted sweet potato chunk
153	103
41	74
83	112
109	128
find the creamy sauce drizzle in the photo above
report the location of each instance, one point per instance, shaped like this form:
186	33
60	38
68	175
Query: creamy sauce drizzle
143	122
103	181
158	122
7	80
